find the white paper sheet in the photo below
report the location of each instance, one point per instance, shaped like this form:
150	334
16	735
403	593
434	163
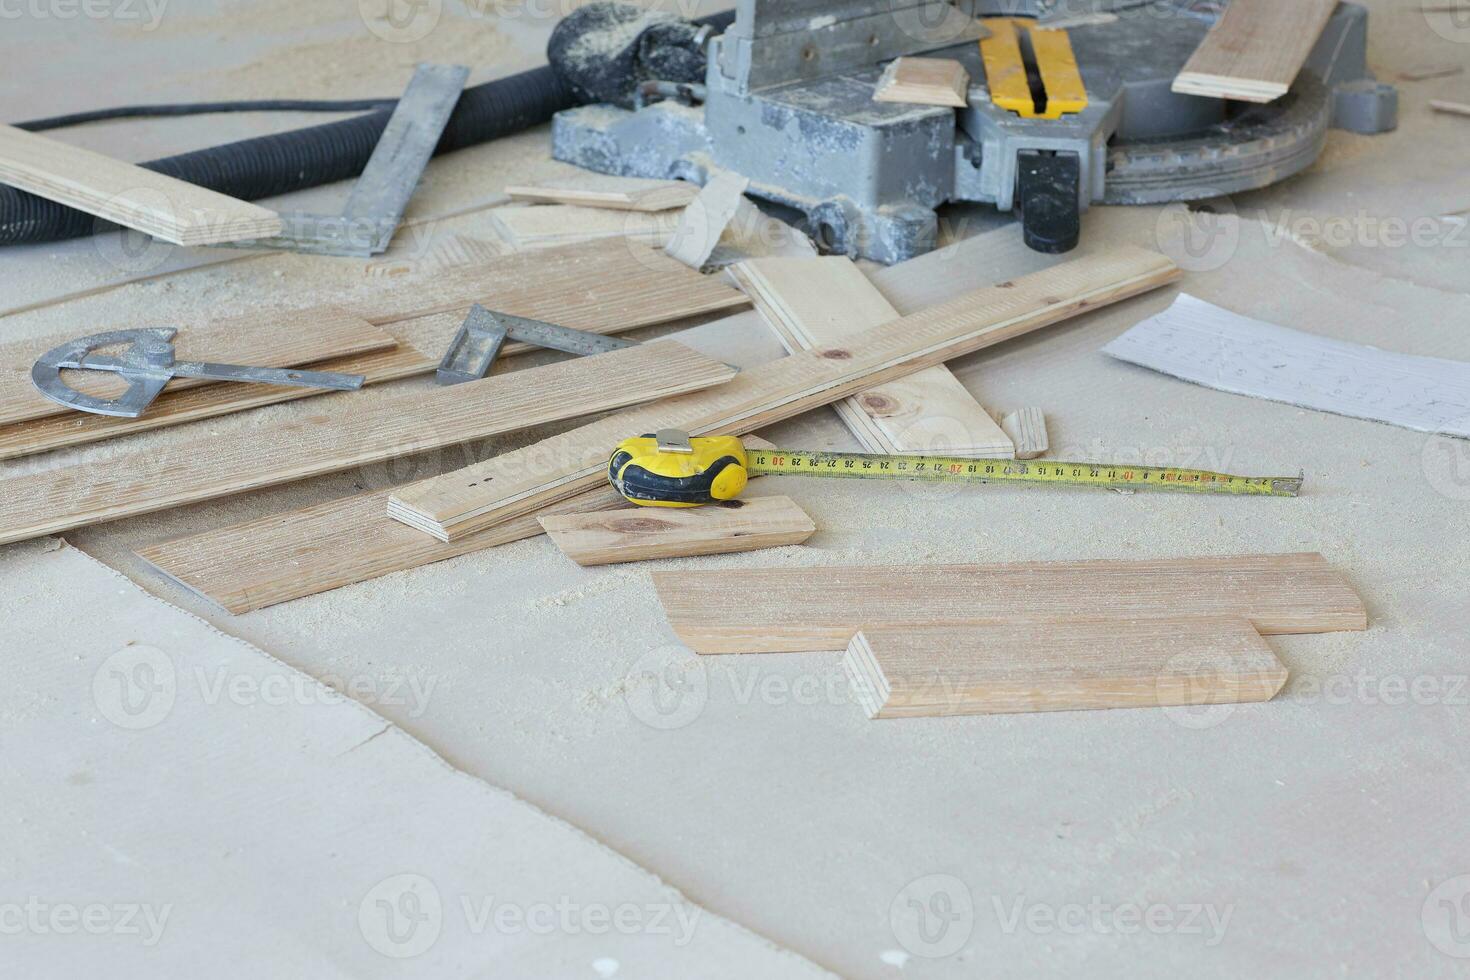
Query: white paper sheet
1211	346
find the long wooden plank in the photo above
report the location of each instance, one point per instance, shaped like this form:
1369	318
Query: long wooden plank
792	610
1077	665
288	339
616	193
176	407
825	301
641	533
162	206
544	225
57	500
1255	50
518	482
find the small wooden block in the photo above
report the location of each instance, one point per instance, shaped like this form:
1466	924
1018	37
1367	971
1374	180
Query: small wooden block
924	81
640	533
615	193
1060	666
1026	428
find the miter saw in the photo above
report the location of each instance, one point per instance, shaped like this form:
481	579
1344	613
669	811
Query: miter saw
786	100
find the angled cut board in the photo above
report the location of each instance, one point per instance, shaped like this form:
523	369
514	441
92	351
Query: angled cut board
812	302
288	339
303	552
791	610
924	81
703	222
545	225
57	500
601	191
222	764
162	206
641	533
1254	51
464	501
1211	346
1072	665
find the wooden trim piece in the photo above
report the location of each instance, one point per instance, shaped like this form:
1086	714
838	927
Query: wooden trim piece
616	193
641	533
290	339
58	500
1255	49
176	407
924	81
545	225
1026	428
518	482
1074	665
824	301
1452	108
129	195
792	610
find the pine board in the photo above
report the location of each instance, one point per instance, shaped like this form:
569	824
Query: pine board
162	206
58	500
289	339
544	225
1255	50
792	610
641	533
462	502
924	81
822	301
1009	667
617	193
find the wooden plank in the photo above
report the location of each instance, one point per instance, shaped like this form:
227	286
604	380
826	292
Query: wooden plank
641	533
820	302
1076	665
176	407
162	206
288	339
792	610
544	225
1026	428
1452	108
57	500
924	81
518	482
1255	49
601	191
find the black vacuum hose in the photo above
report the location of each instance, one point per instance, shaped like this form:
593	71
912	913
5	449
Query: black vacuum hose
268	165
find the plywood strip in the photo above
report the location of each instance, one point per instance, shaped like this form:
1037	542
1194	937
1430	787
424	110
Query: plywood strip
1253	53
1060	666
803	609
820	302
641	533
174	408
1026	428
57	500
288	339
518	482
924	81
162	206
600	191
541	226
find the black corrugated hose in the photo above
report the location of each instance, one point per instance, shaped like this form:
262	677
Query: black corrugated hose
277	164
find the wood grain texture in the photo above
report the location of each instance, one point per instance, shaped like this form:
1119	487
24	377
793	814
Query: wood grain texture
176	407
129	195
57	500
600	191
466	500
821	302
1255	50
289	339
792	610
641	533
1074	665
545	225
924	81
1026	428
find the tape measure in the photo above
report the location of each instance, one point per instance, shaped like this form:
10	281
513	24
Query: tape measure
669	469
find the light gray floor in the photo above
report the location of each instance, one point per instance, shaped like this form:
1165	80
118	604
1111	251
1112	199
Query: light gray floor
1318	835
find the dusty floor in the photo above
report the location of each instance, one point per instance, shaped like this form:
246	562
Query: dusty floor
1318	835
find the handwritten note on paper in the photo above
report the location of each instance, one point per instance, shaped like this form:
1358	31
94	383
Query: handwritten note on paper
1200	342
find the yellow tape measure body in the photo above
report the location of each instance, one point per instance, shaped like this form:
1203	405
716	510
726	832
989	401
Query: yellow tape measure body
672	470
